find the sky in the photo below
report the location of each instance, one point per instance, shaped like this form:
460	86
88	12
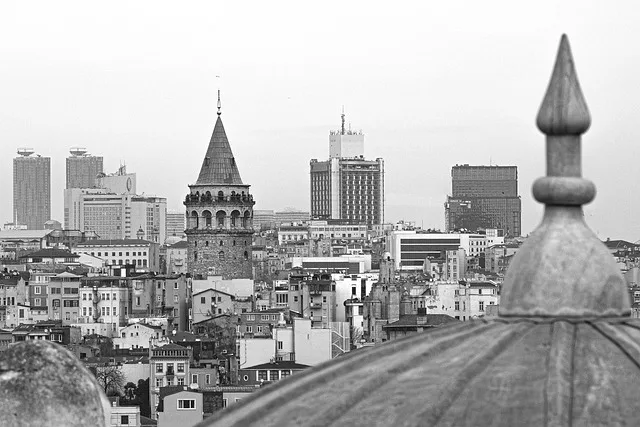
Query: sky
431	84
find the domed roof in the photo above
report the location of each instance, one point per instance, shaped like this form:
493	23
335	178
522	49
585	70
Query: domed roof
562	351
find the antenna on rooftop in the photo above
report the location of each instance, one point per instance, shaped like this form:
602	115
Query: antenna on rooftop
342	120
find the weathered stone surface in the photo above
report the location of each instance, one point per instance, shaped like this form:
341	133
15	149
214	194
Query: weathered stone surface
43	384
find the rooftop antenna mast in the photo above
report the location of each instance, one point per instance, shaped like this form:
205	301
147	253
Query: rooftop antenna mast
342	120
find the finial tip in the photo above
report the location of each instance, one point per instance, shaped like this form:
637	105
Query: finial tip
564	110
219	105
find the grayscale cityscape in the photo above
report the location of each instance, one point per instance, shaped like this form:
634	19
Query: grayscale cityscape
317	215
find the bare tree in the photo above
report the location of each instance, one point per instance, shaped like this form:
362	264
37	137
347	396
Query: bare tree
111	378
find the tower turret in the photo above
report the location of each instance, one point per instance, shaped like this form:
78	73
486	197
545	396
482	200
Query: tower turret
219	210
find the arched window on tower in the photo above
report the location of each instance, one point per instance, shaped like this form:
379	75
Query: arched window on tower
246	255
221	255
220	196
220	216
246	219
193	220
235	215
207	218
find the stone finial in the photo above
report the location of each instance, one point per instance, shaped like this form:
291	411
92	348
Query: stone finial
563	269
43	384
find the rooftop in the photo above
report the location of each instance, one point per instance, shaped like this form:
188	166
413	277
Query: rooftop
115	242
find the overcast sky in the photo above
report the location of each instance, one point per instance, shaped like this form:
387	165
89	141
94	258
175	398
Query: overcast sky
431	84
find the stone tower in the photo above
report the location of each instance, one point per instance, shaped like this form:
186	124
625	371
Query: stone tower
219	213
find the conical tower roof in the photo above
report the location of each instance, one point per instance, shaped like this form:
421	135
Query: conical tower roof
219	165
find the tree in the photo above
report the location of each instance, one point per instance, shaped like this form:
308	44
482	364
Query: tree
111	378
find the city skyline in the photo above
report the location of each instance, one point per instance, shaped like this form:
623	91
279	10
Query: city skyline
424	105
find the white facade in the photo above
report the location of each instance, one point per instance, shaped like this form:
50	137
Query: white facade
464	301
351	286
141	253
115	216
350	144
136	335
324	230
106	304
241	288
409	249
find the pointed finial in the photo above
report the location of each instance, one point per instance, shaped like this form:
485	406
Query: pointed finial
564	110
563	269
219	105
342	120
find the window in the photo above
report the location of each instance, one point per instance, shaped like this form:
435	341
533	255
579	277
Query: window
224	403
158	382
207	379
186	404
249	329
180	381
262	375
274	375
37	290
180	367
124	419
479	291
84	311
194	378
280	345
159	367
203	300
264	317
285	373
456	305
259	329
295	298
37	302
481	305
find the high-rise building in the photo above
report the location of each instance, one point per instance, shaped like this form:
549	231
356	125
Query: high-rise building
82	169
31	189
484	197
175	224
347	186
115	216
219	214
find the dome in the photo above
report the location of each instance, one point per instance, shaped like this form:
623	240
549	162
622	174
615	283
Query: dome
563	350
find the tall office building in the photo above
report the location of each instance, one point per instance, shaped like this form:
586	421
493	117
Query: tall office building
347	186
219	214
82	169
484	197
31	189
175	224
115	216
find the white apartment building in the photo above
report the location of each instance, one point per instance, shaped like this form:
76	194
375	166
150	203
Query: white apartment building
410	249
143	254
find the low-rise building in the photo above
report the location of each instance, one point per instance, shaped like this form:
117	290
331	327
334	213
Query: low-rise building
180	407
143	254
269	372
169	366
